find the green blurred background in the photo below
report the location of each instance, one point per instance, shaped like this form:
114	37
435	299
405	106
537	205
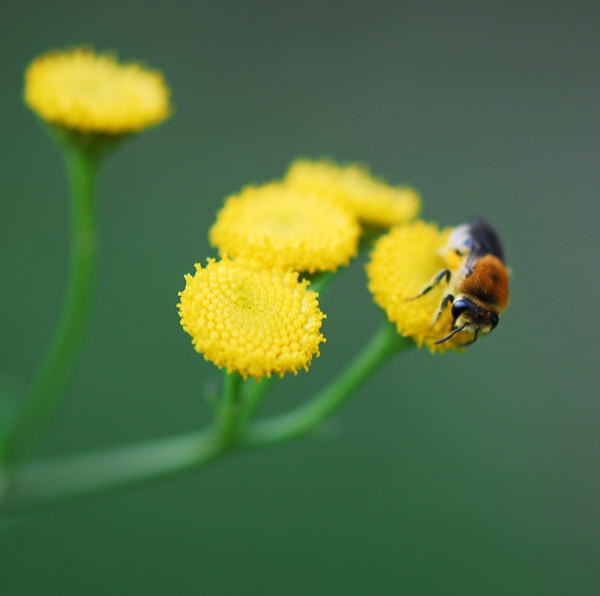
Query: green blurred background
465	474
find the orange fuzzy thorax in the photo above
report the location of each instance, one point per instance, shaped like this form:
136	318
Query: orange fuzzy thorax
487	283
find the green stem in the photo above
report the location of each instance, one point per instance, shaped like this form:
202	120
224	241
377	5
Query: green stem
384	344
76	476
320	281
255	393
230	410
54	373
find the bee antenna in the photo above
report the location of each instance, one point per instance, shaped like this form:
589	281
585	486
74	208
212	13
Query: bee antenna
440	341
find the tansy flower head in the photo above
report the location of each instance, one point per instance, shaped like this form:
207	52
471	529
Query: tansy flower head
93	93
282	228
403	262
255	322
371	200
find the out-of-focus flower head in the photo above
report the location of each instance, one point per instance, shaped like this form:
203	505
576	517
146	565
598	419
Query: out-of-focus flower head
353	187
280	227
79	90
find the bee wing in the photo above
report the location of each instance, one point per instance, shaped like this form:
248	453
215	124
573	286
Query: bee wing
484	240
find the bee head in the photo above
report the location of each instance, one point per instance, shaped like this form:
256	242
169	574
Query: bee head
471	317
479	318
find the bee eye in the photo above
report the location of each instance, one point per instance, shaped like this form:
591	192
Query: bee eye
494	319
459	307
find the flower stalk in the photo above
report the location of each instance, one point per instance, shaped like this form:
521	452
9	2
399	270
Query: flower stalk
255	393
229	415
53	376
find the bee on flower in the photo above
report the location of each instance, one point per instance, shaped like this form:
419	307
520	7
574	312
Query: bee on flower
478	289
443	288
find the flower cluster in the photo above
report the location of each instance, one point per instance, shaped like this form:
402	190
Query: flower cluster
251	312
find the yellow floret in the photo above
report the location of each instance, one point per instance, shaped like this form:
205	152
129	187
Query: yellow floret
403	263
88	92
371	200
255	322
281	228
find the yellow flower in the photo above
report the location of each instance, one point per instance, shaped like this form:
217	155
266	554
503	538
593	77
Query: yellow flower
80	90
403	262
371	200
281	228
255	322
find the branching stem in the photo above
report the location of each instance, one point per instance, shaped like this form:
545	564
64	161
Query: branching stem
385	343
61	479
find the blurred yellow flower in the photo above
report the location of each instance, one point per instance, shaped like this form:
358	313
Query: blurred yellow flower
403	262
352	186
88	92
252	321
281	228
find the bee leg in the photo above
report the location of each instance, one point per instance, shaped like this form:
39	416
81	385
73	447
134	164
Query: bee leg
444	273
448	299
468	343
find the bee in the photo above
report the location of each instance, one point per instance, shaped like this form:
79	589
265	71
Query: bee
478	290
